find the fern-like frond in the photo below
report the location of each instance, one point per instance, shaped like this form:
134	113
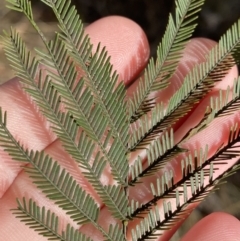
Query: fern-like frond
8	142
179	29
21	61
82	150
198	164
97	68
61	187
150	225
220	59
77	91
165	187
51	180
195	86
219	106
173	213
45	223
92	118
49	101
95	124
72	31
159	152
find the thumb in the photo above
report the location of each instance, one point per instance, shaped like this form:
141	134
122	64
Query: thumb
215	227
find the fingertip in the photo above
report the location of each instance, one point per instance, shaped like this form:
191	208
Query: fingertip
126	43
216	226
197	51
228	80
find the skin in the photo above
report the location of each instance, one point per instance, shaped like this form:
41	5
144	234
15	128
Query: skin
129	50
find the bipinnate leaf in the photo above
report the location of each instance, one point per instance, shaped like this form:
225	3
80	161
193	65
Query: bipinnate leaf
196	85
225	104
64	125
78	93
97	69
198	179
159	152
194	189
65	77
45	222
60	186
180	27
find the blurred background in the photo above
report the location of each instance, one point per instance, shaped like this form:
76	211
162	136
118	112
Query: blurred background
152	15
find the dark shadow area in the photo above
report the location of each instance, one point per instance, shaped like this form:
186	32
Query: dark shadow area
216	16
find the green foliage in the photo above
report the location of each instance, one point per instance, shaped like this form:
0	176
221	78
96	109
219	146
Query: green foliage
99	128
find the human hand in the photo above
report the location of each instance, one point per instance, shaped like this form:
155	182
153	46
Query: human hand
127	44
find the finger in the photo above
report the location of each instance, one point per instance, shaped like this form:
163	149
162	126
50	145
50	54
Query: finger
191	57
214	136
128	46
209	137
11	227
215	227
23	187
142	192
126	43
195	52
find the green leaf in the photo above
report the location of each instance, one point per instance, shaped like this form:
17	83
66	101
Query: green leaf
158	153
97	71
60	186
45	222
77	92
196	85
156	77
64	126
